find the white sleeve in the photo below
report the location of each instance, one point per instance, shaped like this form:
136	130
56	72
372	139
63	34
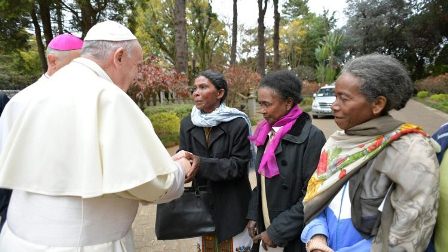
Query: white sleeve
177	186
161	189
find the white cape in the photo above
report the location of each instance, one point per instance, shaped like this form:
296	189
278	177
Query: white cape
80	135
15	107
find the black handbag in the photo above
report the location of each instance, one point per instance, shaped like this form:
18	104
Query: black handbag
185	217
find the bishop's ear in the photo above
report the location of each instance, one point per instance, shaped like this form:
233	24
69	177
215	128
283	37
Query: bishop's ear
51	60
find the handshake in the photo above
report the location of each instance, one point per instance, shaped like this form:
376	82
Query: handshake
189	163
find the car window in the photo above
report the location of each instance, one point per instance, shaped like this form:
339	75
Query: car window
326	92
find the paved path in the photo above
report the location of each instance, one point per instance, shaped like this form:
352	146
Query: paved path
143	227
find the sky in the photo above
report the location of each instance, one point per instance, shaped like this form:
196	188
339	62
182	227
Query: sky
248	11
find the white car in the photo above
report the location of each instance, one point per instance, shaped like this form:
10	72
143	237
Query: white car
323	100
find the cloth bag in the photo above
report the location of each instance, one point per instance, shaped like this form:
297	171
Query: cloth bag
185	217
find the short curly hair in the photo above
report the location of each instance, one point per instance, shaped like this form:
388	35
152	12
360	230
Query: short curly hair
382	75
285	83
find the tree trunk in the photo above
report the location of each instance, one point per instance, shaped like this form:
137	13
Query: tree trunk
261	55
59	17
276	38
234	33
44	11
181	63
88	16
40	45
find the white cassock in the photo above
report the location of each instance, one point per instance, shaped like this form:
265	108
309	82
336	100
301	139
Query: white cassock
79	157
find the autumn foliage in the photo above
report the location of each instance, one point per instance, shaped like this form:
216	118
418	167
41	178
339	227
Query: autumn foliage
240	80
153	78
433	84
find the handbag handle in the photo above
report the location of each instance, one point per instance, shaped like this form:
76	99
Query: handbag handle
196	188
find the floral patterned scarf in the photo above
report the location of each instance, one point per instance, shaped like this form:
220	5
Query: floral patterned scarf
343	153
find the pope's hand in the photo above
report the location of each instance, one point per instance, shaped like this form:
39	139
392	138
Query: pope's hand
194	161
181	154
185	164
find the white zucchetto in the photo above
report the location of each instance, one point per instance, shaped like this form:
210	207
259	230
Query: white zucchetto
109	31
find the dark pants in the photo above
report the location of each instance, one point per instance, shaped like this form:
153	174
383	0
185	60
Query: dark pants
5	196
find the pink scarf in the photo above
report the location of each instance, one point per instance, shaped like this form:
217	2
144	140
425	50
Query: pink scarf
268	165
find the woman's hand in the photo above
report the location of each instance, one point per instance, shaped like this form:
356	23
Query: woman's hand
252	228
267	242
318	243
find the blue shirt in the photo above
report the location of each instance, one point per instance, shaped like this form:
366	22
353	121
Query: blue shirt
335	223
441	136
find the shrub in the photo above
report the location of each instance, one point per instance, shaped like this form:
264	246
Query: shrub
435	85
309	88
306	72
240	80
166	126
152	78
181	110
439	97
306	103
422	94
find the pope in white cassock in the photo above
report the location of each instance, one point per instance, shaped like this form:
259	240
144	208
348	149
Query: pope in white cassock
82	155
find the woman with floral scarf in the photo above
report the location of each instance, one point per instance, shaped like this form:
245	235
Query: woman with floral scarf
376	185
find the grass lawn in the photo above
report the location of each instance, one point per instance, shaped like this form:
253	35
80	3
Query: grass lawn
440	105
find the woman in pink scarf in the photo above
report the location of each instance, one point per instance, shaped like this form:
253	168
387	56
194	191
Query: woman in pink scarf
288	149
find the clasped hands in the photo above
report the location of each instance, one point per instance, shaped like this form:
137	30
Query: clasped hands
189	162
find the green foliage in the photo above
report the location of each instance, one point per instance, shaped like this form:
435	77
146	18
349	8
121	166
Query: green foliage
166	126
325	55
294	9
207	43
422	94
306	72
14	20
433	91
317	28
29	62
301	36
19	68
412	31
437	101
441	62
439	97
207	36
155	28
306	103
180	110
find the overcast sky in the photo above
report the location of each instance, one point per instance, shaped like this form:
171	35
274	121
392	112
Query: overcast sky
248	11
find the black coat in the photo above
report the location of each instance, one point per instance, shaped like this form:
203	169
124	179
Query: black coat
223	168
297	158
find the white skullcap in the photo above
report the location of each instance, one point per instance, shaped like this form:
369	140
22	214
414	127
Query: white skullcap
110	31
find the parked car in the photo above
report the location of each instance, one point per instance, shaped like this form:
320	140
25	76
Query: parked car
322	101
